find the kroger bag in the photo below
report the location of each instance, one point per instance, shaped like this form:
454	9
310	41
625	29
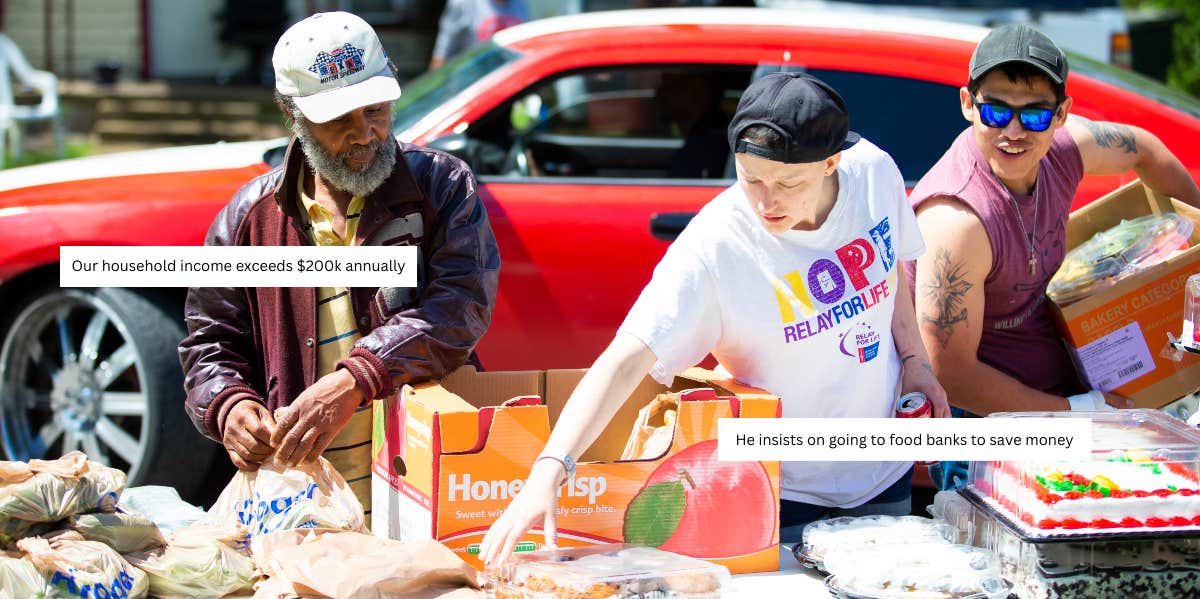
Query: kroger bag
125	533
198	561
75	568
49	490
339	563
653	430
310	495
19	579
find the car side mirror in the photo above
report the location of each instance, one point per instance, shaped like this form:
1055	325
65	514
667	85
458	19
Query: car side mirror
454	144
483	157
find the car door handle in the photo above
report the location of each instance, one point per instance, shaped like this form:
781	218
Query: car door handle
668	225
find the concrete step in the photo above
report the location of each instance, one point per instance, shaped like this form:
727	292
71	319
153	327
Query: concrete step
164	108
162	90
179	130
156	113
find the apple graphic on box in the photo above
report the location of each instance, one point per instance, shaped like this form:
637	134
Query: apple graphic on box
694	505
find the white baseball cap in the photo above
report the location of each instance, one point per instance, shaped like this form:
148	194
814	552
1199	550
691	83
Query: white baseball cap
332	63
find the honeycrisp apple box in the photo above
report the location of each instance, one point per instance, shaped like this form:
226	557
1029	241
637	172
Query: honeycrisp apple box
1118	336
449	457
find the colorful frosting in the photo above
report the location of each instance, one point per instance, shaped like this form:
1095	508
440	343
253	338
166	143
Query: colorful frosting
1130	491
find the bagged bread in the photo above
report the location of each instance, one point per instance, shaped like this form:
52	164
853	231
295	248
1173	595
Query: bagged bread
311	495
75	568
125	533
19	578
338	563
654	429
50	490
198	561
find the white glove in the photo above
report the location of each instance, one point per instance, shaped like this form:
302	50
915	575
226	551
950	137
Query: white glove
1089	402
1194	419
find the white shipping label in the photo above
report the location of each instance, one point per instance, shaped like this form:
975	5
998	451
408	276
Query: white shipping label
1116	358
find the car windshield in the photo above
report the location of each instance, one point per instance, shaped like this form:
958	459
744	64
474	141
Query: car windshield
423	94
1135	83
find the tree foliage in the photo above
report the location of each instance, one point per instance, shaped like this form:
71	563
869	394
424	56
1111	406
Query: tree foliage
1184	70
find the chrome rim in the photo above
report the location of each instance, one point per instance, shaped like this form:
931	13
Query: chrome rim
71	378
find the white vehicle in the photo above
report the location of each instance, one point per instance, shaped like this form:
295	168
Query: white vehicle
1097	29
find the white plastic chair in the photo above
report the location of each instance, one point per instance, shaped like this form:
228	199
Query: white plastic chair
14	67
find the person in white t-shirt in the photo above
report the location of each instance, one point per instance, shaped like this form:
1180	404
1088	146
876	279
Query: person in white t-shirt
789	278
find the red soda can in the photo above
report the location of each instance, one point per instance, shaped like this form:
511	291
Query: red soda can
914	405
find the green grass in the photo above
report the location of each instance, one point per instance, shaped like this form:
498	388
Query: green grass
72	149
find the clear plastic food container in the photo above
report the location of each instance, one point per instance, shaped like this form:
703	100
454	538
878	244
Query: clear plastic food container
915	571
1190	337
1116	253
606	571
868	531
1148	567
955	510
1143	480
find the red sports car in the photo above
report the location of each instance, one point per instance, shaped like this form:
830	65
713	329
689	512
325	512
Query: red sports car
595	138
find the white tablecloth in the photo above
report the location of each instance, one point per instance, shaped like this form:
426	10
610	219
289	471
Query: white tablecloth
792	580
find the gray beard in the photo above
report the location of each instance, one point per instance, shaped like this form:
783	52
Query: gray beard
333	170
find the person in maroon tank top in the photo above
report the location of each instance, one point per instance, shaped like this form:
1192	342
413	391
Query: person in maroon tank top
993	213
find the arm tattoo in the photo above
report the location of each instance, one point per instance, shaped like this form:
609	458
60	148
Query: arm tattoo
945	289
926	365
1110	135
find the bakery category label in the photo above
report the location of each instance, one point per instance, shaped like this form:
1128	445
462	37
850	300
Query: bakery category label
1116	358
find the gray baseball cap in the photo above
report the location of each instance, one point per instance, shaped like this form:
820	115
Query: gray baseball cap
1019	43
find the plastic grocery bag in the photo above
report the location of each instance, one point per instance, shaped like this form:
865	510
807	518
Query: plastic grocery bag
162	505
75	568
199	561
50	490
654	429
19	578
125	533
311	495
338	563
12	530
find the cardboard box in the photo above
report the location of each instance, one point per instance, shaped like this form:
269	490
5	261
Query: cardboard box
1118	336
449	457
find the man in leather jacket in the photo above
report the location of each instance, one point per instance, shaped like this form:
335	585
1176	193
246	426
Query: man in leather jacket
325	353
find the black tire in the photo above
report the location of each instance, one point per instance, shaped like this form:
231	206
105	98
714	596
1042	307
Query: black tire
98	370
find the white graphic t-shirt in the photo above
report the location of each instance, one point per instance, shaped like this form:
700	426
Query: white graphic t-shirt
806	315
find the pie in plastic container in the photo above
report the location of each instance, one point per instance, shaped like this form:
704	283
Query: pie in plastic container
915	571
867	531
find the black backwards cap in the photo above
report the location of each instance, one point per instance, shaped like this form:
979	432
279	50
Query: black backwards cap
810	115
1019	43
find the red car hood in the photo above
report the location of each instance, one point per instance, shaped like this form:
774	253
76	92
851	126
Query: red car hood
54	181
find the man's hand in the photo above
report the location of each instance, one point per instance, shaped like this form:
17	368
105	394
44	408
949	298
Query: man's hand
307	426
918	376
247	436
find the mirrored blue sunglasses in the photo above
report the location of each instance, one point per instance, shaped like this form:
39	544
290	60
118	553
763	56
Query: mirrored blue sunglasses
996	115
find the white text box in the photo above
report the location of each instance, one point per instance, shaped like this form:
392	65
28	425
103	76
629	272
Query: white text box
237	266
903	439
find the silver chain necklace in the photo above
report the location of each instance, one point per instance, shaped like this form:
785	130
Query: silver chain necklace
1021	221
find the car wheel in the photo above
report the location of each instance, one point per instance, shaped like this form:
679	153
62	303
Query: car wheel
97	370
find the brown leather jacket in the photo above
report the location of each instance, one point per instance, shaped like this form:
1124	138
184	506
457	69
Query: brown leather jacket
259	344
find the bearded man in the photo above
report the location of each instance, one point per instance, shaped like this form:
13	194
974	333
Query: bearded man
328	352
